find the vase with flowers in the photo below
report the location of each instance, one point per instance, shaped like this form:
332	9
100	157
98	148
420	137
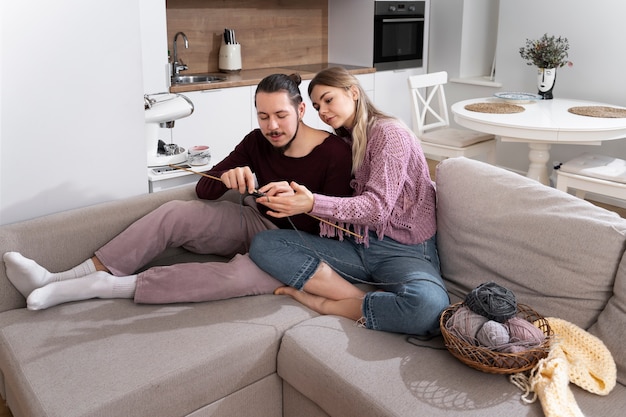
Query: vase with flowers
547	53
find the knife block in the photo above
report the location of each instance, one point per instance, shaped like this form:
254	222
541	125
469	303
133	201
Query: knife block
230	57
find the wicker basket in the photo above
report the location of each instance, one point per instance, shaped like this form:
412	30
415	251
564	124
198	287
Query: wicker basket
487	360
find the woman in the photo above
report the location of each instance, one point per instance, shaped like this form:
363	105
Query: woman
283	148
392	211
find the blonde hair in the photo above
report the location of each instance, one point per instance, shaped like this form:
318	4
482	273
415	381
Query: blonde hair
365	113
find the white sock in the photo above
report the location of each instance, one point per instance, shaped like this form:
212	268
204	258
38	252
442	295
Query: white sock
97	285
27	275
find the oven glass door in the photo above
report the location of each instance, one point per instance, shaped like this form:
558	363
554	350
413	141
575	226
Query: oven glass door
398	39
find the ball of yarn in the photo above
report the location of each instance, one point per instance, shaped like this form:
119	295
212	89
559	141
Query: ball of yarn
465	324
492	301
514	349
493	335
523	331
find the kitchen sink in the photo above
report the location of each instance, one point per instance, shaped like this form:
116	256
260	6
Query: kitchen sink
197	78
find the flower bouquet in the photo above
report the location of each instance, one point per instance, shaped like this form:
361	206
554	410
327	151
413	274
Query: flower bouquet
546	52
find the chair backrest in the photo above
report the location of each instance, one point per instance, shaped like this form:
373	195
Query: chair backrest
428	101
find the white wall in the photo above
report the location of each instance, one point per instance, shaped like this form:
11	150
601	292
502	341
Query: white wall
478	39
72	81
71	93
596	34
154	46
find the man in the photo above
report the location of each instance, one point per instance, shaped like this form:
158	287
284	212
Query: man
282	150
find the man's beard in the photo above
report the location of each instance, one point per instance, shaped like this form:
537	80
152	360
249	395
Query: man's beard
283	149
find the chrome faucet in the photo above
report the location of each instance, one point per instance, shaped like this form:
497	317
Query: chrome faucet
177	65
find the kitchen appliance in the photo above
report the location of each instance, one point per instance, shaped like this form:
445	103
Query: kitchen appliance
386	34
399	34
161	111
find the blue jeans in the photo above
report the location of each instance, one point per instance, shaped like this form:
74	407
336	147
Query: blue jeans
413	293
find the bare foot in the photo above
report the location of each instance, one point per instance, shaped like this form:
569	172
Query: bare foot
349	307
327	283
314	302
279	290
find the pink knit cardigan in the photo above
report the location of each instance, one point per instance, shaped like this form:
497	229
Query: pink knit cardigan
393	192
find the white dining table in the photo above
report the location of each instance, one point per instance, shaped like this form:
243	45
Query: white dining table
542	124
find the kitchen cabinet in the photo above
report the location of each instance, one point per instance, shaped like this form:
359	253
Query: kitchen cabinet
311	116
220	120
367	81
392	92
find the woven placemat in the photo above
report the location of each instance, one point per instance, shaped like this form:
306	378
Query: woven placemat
598	111
500	108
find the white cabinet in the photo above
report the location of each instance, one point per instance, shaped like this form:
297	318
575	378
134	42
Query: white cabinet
392	92
311	116
368	81
221	119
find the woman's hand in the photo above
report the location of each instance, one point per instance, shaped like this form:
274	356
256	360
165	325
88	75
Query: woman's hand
277	188
241	179
284	203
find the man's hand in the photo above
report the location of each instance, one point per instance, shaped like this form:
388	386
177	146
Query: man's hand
241	179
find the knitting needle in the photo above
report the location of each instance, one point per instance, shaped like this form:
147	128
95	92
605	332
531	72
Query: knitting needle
310	215
196	172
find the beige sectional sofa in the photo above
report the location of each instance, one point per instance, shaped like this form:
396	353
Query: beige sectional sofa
269	356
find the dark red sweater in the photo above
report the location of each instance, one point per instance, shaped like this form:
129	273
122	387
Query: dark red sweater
326	170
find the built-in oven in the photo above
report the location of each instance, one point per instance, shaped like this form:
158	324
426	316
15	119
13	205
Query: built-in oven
399	33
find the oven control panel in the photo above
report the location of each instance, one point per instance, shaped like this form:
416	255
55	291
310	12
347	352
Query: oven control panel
411	8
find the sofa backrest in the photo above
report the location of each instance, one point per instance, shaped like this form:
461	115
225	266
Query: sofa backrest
559	254
62	240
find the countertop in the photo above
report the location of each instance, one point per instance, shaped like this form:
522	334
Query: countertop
254	76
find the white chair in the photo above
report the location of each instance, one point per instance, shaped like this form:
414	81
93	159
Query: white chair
593	173
432	125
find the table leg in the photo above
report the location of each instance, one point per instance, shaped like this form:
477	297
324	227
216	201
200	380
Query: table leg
539	155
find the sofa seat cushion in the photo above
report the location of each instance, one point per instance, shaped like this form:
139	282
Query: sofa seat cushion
350	371
116	358
557	253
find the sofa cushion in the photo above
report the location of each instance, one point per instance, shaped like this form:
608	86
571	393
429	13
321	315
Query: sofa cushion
116	358
610	327
62	240
349	371
557	253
